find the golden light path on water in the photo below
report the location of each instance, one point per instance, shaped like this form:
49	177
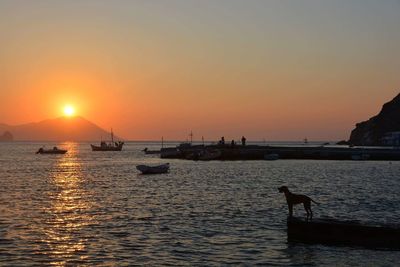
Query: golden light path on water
66	214
94	209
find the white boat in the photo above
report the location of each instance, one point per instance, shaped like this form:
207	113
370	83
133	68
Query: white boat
146	169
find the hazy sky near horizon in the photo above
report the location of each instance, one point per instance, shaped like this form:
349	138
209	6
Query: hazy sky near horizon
278	69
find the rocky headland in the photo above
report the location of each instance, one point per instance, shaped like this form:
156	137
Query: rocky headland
382	129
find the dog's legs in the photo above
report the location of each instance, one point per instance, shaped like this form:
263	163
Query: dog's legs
307	207
290	210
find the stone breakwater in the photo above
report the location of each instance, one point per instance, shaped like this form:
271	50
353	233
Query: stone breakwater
256	152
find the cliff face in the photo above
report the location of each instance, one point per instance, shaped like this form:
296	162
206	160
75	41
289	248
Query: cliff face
370	132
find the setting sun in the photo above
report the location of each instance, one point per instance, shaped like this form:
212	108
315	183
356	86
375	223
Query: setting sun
69	111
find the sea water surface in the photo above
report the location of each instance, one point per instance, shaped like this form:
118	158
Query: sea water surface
93	208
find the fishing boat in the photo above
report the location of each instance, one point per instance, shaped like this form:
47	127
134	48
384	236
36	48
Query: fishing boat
146	169
54	150
112	146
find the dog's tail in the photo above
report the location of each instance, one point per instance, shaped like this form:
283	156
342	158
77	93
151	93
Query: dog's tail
314	201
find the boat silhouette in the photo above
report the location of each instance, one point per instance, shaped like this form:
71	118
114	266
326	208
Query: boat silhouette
111	146
54	150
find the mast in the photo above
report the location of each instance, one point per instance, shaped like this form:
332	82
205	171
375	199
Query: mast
112	136
191	137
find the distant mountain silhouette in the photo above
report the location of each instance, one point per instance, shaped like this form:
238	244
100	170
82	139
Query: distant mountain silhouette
59	129
372	131
6	137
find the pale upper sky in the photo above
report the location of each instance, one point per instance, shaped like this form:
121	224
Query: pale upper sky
279	70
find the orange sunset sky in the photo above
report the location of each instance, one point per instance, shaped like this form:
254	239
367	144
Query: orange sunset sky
279	69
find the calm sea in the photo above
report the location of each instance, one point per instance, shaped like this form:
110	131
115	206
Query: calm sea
93	208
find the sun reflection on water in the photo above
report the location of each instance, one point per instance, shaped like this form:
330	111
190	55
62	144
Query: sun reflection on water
66	213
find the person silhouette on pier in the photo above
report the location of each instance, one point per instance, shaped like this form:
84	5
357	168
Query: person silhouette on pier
243	141
222	141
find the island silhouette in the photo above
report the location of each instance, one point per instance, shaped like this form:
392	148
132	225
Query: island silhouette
58	129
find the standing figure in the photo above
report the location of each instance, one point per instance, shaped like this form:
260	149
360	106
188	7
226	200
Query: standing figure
243	141
222	140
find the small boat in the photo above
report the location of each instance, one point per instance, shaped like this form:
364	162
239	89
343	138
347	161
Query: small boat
271	156
112	146
146	169
55	150
147	151
335	232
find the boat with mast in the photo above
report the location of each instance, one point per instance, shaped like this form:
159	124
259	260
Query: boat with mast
112	146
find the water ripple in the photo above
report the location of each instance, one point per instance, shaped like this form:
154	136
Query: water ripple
86	208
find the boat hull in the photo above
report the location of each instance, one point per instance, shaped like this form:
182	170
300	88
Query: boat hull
106	148
145	169
60	151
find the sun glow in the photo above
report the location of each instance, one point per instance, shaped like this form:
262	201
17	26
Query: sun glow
69	111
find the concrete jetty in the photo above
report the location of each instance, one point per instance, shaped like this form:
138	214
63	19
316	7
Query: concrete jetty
334	232
257	152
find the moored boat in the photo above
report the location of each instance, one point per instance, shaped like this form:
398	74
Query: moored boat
115	146
146	169
54	150
112	146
